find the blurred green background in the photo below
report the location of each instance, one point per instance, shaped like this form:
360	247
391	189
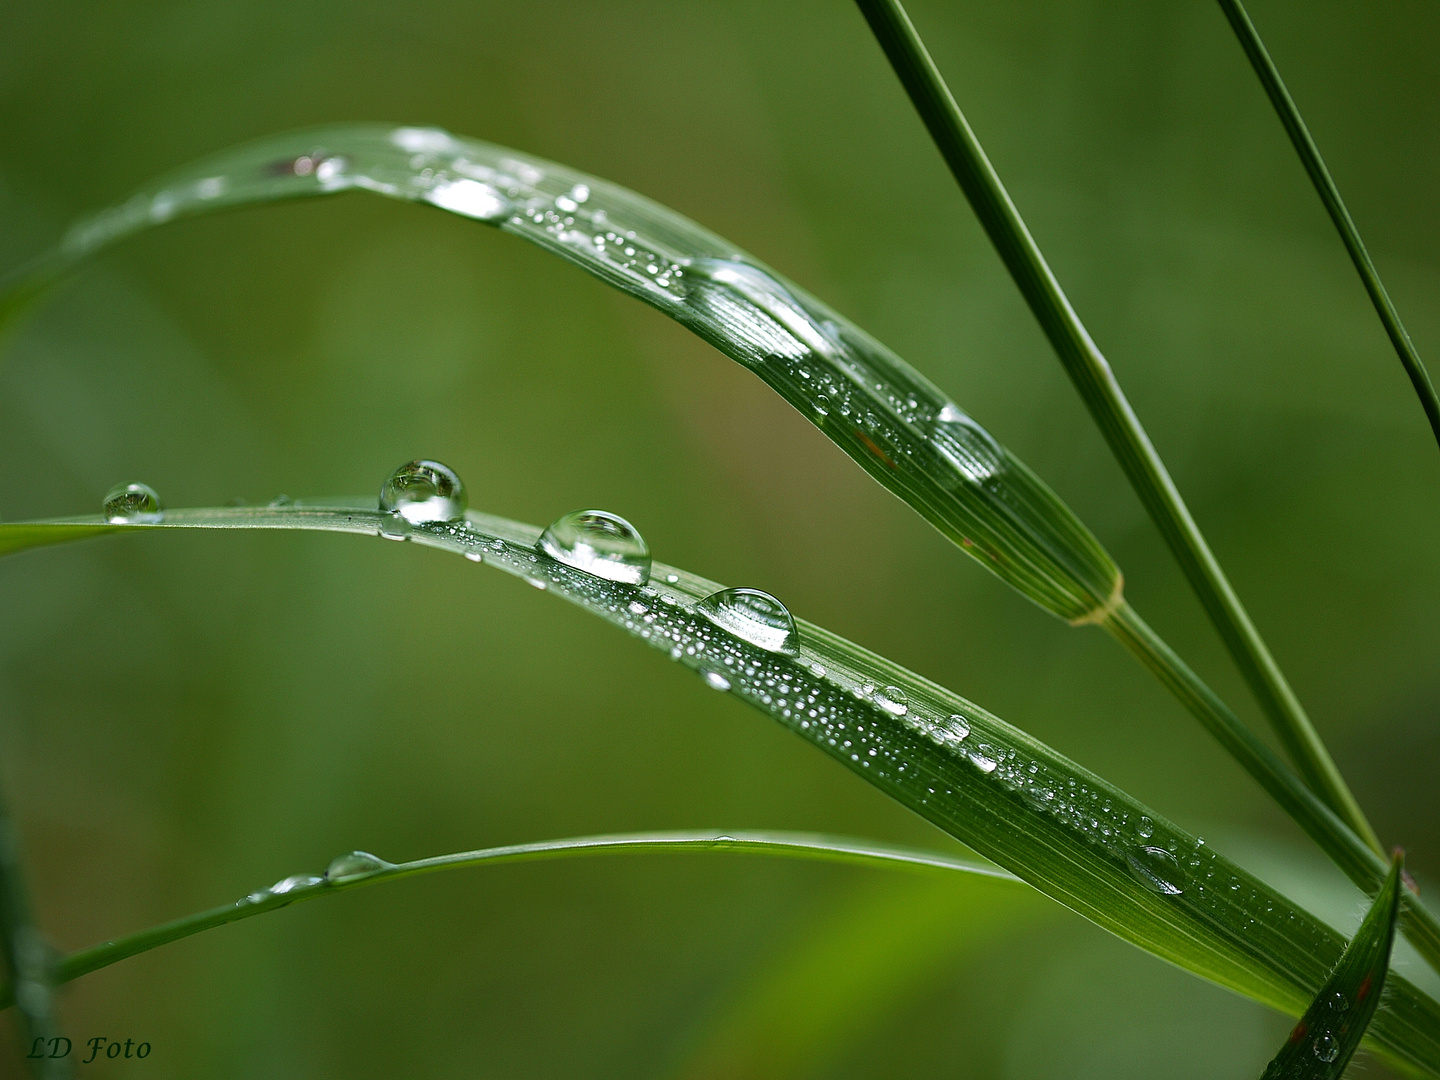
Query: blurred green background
185	718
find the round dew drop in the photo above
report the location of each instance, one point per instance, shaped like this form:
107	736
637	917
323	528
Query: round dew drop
352	867
424	491
132	504
1157	870
1326	1048
598	543
892	699
753	616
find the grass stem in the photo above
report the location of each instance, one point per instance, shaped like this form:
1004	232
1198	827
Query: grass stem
1097	385
1329	194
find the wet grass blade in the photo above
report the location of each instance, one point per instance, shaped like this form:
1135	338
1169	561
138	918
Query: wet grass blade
1098	387
879	410
1329	1033
357	869
1299	133
1012	799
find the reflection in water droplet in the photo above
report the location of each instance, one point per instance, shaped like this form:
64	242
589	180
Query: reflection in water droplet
1157	870
132	504
598	543
1145	827
353	866
981	759
1327	1049
293	882
892	699
424	491
470	198
715	680
753	616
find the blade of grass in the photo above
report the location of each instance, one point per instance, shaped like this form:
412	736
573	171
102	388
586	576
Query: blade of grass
28	959
1327	1036
1101	392
365	869
885	415
1295	127
1009	797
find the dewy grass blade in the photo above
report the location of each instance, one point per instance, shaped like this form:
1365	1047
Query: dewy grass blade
1091	374
1012	799
29	961
885	415
361	868
1295	127
1327	1036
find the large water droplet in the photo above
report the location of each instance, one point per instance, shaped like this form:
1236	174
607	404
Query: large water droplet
753	616
353	866
1326	1047
1157	870
293	882
892	699
424	491
715	680
599	543
1145	827
130	504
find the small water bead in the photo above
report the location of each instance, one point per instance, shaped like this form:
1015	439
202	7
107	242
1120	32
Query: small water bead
424	491
132	504
892	699
715	680
1145	828
753	616
599	543
1326	1048
981	758
1157	870
1338	1002
293	882
353	866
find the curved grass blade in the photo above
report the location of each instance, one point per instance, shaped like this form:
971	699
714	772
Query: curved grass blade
885	415
29	961
1326	1037
1289	114
360	868
1098	387
1008	796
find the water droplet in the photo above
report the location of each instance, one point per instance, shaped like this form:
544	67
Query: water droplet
293	882
1157	870
130	504
1338	1002
1145	827
424	491
715	680
957	728
981	759
1326	1048
892	699
353	866
598	543
475	556
753	616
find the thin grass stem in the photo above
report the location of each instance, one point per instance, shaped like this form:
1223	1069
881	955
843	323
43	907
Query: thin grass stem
1329	194
299	888
1100	390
